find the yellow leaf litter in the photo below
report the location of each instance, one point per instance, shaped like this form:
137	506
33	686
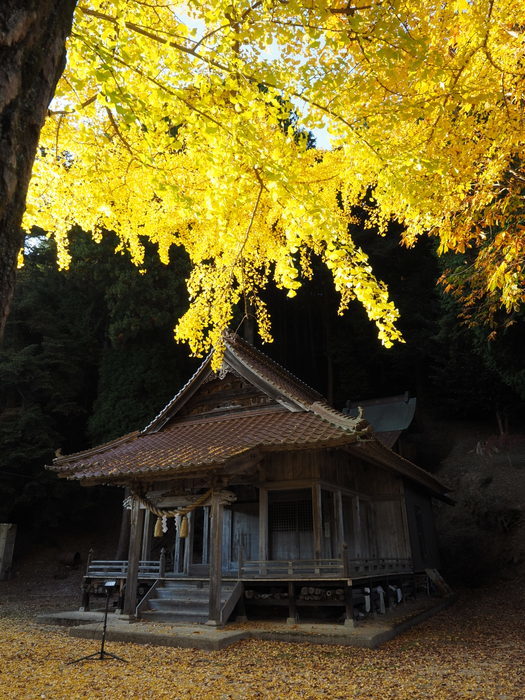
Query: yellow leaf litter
475	649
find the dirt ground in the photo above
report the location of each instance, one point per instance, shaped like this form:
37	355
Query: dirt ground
475	649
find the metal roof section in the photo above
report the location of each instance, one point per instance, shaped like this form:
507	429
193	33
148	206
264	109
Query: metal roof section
388	416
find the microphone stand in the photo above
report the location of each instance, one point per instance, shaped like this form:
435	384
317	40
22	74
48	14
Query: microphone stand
102	654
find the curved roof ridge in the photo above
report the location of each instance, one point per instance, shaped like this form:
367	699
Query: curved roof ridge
304	393
332	415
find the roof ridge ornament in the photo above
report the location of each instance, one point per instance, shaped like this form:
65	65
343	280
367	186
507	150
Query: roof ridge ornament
224	369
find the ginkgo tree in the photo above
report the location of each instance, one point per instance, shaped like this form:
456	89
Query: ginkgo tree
170	124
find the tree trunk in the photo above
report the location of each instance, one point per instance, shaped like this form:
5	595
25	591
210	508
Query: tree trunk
32	57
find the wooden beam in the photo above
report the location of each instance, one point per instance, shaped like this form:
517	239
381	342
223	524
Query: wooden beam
217	511
241	464
137	524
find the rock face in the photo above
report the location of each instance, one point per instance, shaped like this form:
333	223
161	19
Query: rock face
482	537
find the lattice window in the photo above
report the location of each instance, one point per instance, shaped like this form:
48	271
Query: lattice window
291	516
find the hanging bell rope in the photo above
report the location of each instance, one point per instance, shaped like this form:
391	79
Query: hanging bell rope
162	513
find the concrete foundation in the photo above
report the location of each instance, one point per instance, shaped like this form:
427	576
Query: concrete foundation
369	633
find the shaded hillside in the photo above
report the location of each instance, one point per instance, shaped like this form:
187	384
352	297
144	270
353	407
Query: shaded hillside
482	537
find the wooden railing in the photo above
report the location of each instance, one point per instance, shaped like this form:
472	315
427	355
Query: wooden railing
231	602
323	568
366	567
118	568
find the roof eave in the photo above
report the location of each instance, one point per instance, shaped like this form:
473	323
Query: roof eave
380	454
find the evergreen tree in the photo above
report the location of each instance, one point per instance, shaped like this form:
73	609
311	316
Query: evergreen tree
89	355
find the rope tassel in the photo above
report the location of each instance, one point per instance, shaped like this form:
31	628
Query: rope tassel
183	532
158	527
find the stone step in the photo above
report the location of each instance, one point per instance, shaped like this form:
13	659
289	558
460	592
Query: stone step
183	601
194	585
173	616
182	593
176	605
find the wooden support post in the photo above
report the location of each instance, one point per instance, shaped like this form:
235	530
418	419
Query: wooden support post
372	530
84	605
356	517
217	511
344	557
263	527
137	523
120	601
162	562
240	562
349	607
177	556
407	548
317	521
86	584
89	560
339	521
188	545
147	535
292	607
241	609
205	534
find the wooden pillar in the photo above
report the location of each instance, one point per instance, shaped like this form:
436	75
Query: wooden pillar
206	535
349	607
137	524
292	607
177	555
317	520
217	511
372	530
406	532
149	522
188	544
339	522
263	526
356	516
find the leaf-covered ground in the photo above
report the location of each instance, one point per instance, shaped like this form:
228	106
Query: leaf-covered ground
475	649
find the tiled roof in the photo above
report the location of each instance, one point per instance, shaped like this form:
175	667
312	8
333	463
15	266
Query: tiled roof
204	443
